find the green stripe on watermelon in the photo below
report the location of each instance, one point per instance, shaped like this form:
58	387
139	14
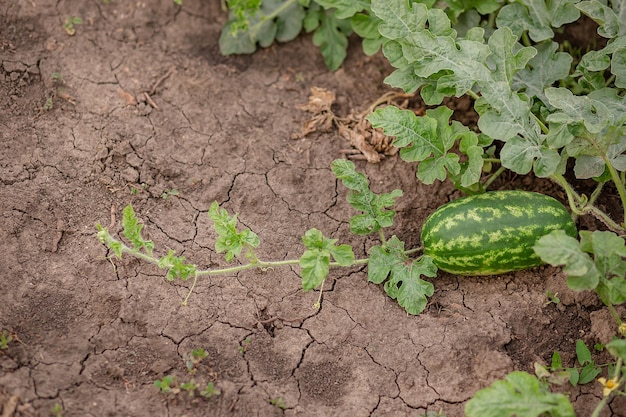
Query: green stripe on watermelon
492	233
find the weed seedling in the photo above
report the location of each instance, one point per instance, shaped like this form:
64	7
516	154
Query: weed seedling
210	391
553	298
193	360
70	22
56	410
278	402
169	193
170	385
245	345
5	339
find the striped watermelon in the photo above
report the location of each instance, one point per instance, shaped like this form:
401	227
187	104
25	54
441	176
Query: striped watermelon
492	233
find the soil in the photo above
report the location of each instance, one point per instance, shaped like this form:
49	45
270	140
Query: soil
139	103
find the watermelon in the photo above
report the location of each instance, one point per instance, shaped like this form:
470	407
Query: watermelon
492	233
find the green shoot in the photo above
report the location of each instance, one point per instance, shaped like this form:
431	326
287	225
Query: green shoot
5	339
70	22
278	402
210	391
56	410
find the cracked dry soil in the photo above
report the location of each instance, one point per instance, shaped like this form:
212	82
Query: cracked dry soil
142	100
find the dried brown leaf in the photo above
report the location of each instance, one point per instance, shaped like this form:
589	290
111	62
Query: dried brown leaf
358	141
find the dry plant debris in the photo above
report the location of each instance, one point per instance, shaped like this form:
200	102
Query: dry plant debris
366	142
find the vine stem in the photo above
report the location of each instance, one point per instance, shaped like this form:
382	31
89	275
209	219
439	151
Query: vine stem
618	183
580	205
229	270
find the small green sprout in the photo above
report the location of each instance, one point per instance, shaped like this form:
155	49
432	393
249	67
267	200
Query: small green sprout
210	391
57	410
278	402
5	339
70	21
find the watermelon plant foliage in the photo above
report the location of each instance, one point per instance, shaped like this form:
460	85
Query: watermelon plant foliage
544	107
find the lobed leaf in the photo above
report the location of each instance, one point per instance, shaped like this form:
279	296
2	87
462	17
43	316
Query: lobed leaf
229	240
331	34
315	261
132	231
374	216
261	25
344	8
176	267
537	17
428	140
404	281
519	394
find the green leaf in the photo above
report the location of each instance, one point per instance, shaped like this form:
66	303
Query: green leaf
366	26
506	57
408	288
611	21
543	70
428	140
229	240
253	24
344	8
609	251
538	17
404	283
593	114
385	259
556	248
589	373
132	231
315	261
331	35
176	266
315	268
583	354
557	362
520	395
398	18
375	216
617	348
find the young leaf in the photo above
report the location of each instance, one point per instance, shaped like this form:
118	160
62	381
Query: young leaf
176	267
375	216
589	373
132	231
315	261
557	362
520	395
105	237
229	240
545	68
385	259
610	20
